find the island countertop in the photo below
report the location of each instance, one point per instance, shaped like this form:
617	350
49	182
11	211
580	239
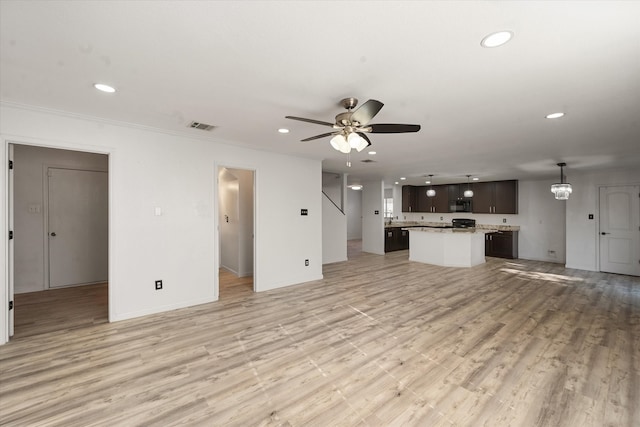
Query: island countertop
436	225
451	230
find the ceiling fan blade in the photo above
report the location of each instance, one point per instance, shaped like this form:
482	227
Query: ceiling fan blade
366	112
302	119
393	128
319	136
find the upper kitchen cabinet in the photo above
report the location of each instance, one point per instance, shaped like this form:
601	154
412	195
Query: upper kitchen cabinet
436	204
499	197
409	198
457	201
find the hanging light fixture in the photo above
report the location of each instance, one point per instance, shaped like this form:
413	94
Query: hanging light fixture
561	189
468	192
431	192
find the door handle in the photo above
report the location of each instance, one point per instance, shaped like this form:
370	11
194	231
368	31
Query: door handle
53	234
603	233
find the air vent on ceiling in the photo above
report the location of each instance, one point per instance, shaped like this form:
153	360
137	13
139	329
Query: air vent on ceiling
201	126
368	161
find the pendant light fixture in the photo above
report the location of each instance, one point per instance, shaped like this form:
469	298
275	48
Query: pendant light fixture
561	189
431	192
468	192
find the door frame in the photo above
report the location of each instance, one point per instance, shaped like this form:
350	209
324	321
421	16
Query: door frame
216	223
4	218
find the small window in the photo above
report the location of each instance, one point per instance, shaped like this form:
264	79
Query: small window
388	207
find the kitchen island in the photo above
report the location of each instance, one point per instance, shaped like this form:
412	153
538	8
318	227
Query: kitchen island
447	247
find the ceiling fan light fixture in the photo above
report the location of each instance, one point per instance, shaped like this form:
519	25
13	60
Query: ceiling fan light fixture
339	142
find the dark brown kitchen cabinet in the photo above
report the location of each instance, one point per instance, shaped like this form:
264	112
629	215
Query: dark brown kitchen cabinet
395	239
409	198
457	201
436	204
502	244
499	197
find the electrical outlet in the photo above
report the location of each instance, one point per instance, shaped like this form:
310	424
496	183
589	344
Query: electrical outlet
158	285
441	218
504	220
306	263
551	253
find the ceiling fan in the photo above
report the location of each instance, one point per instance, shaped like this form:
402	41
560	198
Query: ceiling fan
351	127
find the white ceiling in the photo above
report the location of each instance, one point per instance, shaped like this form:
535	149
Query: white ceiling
243	66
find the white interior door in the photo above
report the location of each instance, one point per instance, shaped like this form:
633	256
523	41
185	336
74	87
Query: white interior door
10	322
78	227
620	229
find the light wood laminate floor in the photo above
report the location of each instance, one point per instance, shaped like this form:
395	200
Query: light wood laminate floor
379	341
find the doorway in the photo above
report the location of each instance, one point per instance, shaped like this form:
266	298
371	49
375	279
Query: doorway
236	223
59	207
619	231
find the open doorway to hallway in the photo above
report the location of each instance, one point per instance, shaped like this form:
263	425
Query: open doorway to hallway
59	216
236	201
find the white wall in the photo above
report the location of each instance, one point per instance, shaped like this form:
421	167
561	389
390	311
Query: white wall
333	185
372	223
29	191
582	233
354	215
148	169
334	232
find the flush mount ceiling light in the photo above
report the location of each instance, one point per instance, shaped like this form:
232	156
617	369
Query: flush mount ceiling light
431	192
554	115
104	88
468	192
562	190
496	39
283	130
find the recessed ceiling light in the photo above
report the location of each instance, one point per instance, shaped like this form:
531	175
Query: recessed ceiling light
104	88
283	130
427	182
496	39
474	179
397	183
373	153
554	115
402	178
356	187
